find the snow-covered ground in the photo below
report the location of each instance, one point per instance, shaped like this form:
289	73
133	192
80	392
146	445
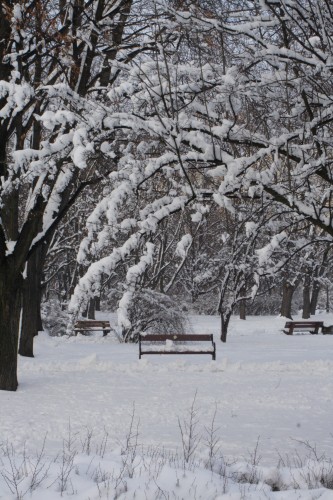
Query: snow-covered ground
267	388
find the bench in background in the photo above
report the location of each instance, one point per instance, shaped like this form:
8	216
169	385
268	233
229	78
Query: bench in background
176	344
303	326
91	325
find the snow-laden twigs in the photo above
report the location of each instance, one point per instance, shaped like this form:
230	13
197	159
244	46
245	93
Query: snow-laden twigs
190	435
133	469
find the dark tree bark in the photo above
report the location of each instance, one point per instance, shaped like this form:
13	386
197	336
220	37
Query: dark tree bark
287	296
11	289
314	297
306	313
242	309
242	305
84	313
97	303
225	319
10	310
31	303
91	309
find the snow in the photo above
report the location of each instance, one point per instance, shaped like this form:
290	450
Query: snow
183	245
132	276
265	253
265	387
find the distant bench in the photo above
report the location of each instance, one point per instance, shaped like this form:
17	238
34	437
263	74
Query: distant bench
91	325
303	326
176	344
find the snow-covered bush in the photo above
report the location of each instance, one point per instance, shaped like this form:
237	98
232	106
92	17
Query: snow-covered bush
54	318
151	311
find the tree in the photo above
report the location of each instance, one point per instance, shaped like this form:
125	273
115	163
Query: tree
255	116
57	62
278	103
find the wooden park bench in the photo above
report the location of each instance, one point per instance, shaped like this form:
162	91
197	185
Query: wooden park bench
176	344
303	326
91	325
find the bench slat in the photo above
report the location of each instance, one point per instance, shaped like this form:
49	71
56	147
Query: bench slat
304	323
92	325
176	338
177	352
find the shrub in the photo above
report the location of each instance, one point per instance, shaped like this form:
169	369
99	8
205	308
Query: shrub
54	318
155	312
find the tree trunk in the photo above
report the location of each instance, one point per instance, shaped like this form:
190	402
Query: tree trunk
10	311
91	309
287	297
306	313
225	318
314	297
97	303
242	309
31	303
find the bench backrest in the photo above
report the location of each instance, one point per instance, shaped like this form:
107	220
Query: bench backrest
175	337
303	323
87	323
